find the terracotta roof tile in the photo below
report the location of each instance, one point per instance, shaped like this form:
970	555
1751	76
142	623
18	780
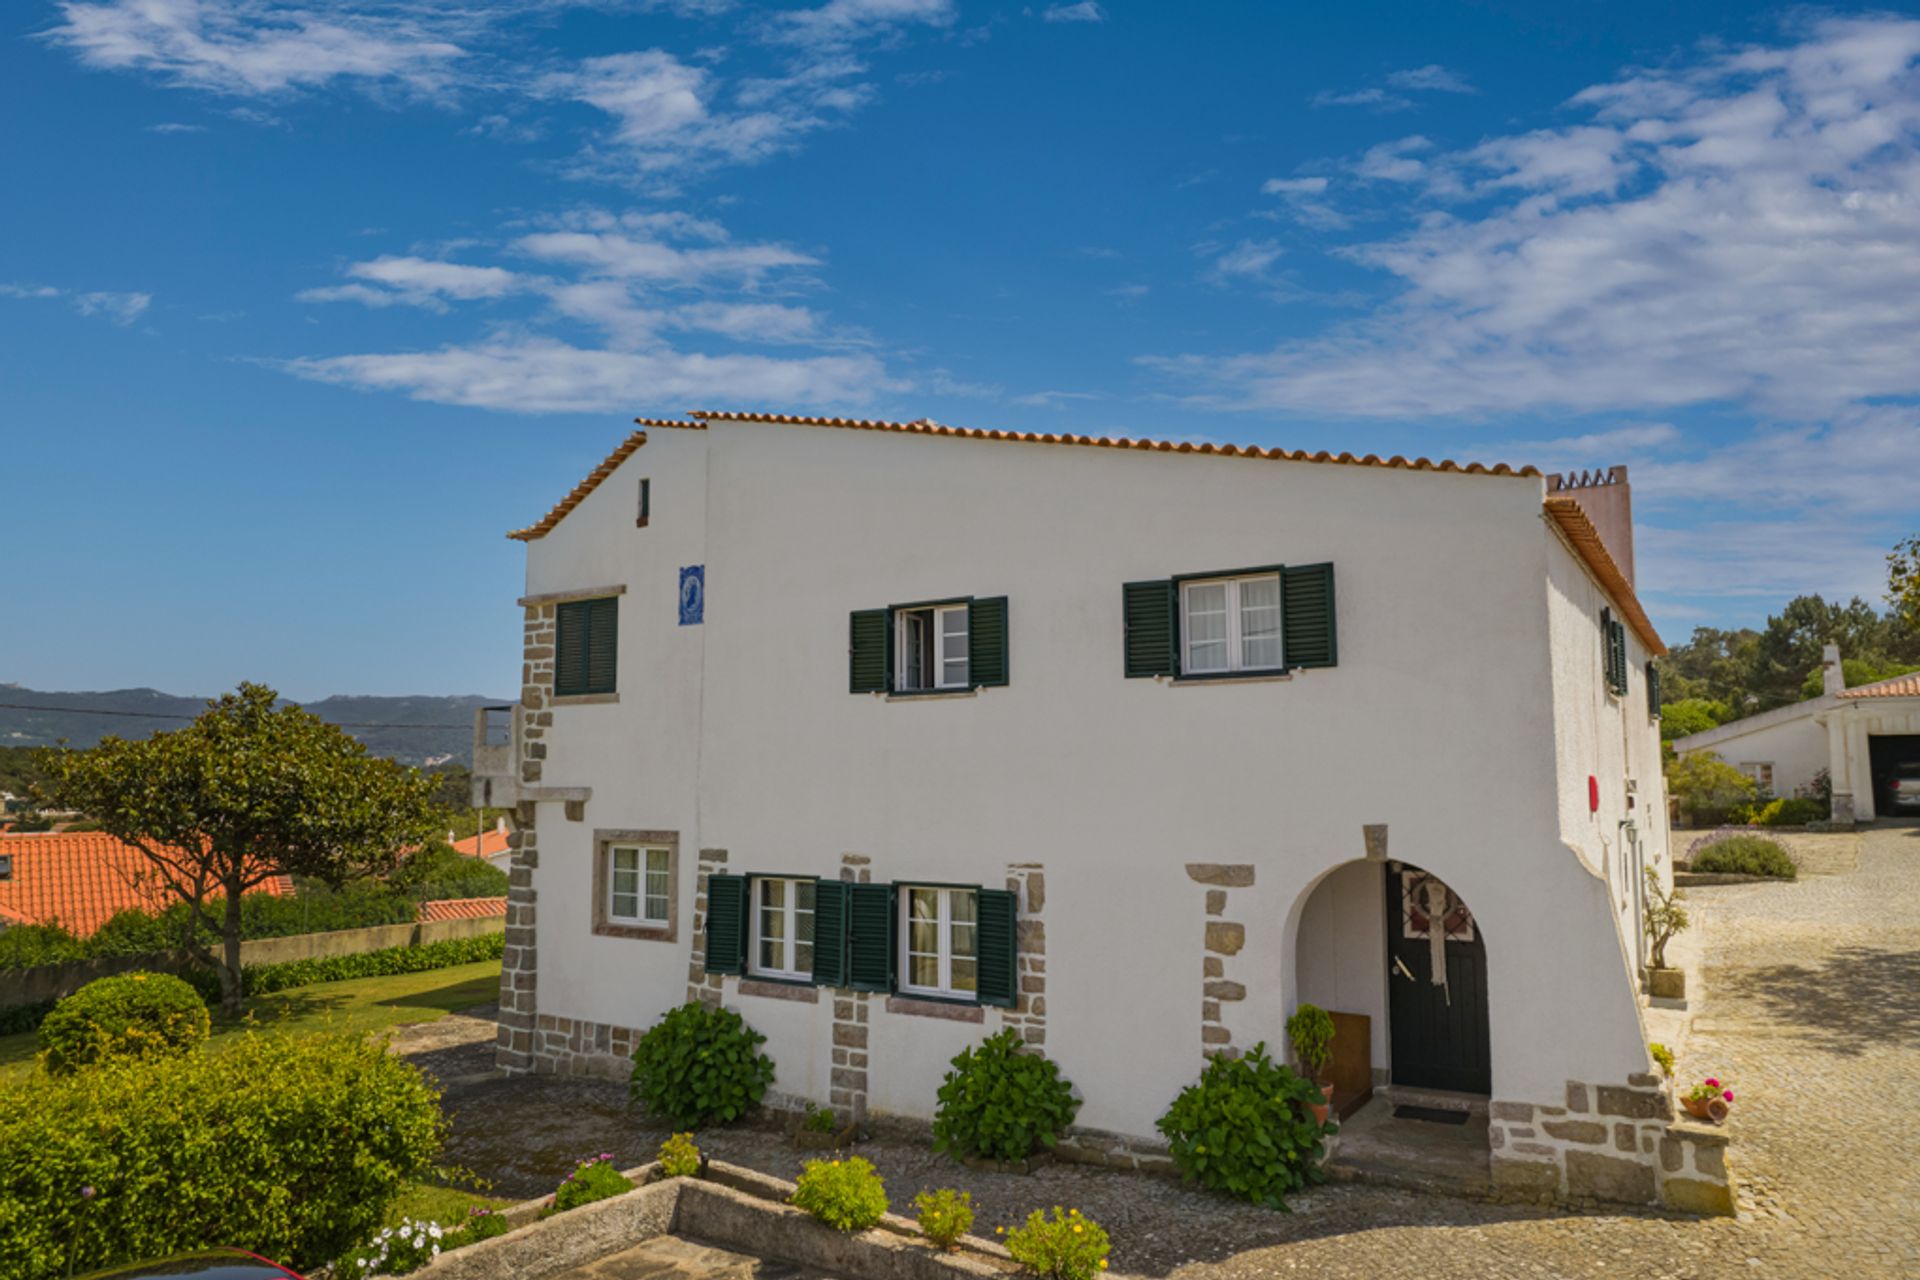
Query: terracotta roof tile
485	845
1580	531
463	909
544	526
1907	686
82	878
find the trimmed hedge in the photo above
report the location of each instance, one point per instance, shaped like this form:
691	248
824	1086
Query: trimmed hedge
1747	856
134	1015
296	1145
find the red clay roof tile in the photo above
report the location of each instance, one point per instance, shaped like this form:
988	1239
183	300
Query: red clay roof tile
463	908
82	878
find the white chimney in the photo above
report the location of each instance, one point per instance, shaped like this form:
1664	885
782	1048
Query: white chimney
1832	678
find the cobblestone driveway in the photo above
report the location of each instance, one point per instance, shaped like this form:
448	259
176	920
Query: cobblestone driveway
1812	1010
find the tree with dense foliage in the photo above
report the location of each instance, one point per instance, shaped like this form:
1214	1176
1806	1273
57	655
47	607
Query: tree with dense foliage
245	792
1707	787
1757	670
1903	580
1689	716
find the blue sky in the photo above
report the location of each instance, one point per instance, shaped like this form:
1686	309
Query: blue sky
302	305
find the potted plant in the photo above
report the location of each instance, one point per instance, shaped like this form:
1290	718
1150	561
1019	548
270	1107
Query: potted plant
1709	1100
1665	916
1311	1031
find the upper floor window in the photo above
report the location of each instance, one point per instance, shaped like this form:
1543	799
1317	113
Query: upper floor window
1231	624
932	648
639	884
944	646
586	646
782	924
939	946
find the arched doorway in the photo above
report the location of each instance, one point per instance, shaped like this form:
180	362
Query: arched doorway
1437	985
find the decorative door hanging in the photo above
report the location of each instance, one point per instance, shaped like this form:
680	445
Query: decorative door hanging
1431	910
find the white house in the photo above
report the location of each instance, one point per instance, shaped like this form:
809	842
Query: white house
892	734
1859	736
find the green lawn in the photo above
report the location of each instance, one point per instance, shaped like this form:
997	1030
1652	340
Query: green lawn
444	1205
359	1004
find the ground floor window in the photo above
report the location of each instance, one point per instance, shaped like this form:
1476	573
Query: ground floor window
939	942
1761	771
781	945
638	884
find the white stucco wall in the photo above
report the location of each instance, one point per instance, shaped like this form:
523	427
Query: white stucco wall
741	735
1792	739
1340	946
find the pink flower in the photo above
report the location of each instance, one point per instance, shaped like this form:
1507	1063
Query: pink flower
1728	1095
1712	1083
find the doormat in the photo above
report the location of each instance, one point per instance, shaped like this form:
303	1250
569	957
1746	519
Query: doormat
1432	1115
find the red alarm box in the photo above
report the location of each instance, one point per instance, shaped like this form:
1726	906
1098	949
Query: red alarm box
1593	794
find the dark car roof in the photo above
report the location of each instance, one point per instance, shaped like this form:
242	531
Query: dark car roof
207	1264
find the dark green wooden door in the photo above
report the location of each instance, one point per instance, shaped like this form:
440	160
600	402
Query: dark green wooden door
1438	1033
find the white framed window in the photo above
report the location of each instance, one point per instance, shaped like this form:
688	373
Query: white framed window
939	942
1230	624
639	884
930	648
780	929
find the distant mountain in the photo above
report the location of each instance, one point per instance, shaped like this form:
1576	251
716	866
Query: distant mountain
414	730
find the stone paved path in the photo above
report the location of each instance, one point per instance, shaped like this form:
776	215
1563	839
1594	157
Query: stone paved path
1812	1011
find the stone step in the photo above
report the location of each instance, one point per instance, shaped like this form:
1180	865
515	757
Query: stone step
1400	1095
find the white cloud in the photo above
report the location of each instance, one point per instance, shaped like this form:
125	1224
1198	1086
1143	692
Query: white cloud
632	257
1052	399
174	127
751	321
1294	187
1615	444
1432	78
1085	11
259	47
418	282
1304	203
1249	259
1379	99
1740	230
120	308
541	375
842	22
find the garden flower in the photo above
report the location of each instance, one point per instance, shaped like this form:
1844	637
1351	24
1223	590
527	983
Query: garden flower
1712	1083
1728	1095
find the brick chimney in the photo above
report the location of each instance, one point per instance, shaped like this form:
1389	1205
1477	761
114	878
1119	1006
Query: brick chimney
1607	499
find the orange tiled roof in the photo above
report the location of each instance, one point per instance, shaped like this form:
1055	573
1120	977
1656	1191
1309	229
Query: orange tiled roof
925	426
1580	531
463	909
1907	686
82	878
485	845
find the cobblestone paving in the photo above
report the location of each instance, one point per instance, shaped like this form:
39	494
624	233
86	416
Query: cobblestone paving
1811	1010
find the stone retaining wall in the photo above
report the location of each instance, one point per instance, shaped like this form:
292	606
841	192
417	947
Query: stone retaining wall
1615	1143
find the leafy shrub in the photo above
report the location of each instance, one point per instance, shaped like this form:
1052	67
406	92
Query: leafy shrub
1747	856
1246	1128
847	1194
1067	1246
1706	787
1000	1101
1795	811
679	1158
441	871
700	1064
265	979
134	1015
17	1018
25	946
819	1120
944	1215
296	1145
591	1180
1663	918
482	1224
1662	1056
395	1251
1311	1031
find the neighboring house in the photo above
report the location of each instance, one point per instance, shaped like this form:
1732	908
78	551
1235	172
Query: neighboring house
80	880
893	734
491	845
1859	736
463	908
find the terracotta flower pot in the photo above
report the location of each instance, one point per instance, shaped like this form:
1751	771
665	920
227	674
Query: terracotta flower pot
1714	1110
1323	1108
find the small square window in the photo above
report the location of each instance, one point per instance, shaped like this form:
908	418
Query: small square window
634	884
1231	624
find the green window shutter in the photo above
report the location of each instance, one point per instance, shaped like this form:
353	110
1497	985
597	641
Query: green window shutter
830	933
987	641
1619	641
570	648
871	933
603	644
1653	690
997	939
726	941
1151	640
868	651
1307	616
1606	648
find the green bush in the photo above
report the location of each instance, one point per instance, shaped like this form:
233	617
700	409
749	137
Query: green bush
1247	1128
25	946
847	1194
700	1064
819	1120
265	979
1002	1102
297	1146
441	871
481	1224
1795	811
944	1216
397	1250
17	1018
591	1180
1707	787
1311	1031
1067	1246
679	1157
1747	856
134	1015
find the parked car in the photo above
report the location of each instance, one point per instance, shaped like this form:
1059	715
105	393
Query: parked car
203	1264
1904	787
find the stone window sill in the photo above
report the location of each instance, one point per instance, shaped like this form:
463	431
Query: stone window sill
583	699
643	933
950	1011
929	695
771	989
1195	682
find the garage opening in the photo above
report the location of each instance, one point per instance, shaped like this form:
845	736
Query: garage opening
1890	758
